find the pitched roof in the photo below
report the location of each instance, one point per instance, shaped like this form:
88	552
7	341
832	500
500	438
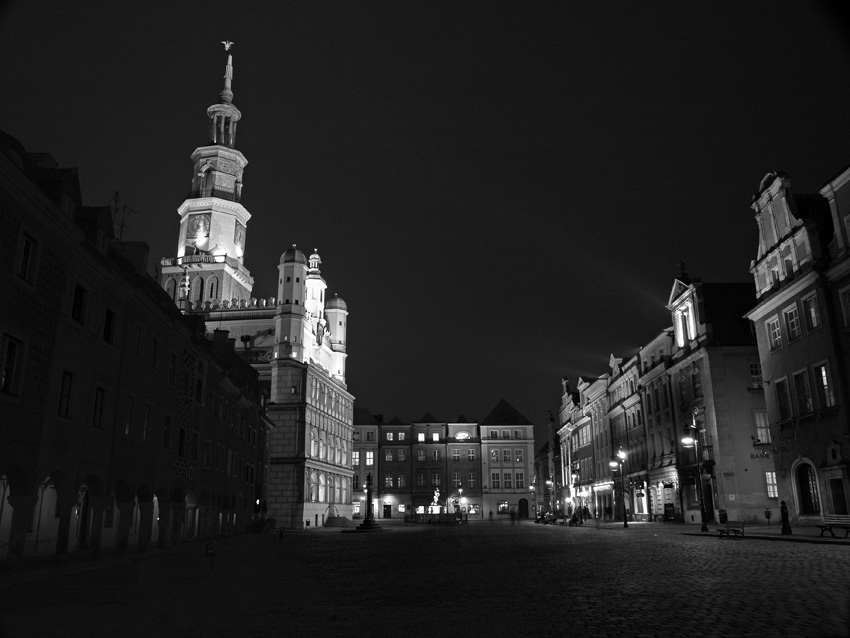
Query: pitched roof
428	418
505	414
362	416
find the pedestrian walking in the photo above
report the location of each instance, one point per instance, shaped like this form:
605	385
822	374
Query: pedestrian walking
491	516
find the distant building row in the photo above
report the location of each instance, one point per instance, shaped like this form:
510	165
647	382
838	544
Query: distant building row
758	377
431	467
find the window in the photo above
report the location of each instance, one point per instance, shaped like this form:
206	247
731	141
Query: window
762	427
470	454
518	456
389	436
388	455
774	334
401	436
508	482
401	483
783	400
388	481
97	409
506	434
506	456
792	322
435	455
128	416
370	457
356	436
155	353
455	455
207	450
811	312
823	387
756	380
502	507
355	482
772	487
11	365
520	479
494	434
807	490
370	435
455	479
355	458
471	479
697	381
166	432
420	437
420	479
804	393
78	306
401	455
145	420
28	258
420	455
435	437
172	368
65	394
494	456
517	434
435	479
109	326
181	442
495	481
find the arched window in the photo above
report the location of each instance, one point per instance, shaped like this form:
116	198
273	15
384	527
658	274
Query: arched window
807	490
314	442
338	451
314	485
323	447
171	288
197	293
337	490
212	288
323	486
332	449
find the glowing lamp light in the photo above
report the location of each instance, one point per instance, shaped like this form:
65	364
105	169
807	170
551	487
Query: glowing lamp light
687	439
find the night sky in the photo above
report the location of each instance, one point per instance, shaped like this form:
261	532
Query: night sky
501	192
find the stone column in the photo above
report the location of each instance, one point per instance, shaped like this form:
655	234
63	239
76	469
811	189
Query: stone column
64	531
145	522
164	519
97	504
125	517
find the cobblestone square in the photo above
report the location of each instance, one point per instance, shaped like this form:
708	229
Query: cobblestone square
480	579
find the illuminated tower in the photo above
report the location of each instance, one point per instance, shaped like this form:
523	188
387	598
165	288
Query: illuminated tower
213	222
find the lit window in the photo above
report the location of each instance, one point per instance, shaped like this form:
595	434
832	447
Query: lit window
823	387
762	427
772	487
401	436
455	455
811	312
11	365
388	455
508	482
518	456
421	436
792	323
494	456
470	454
804	393
502	507
435	436
401	484
355	457
370	457
389	436
388	481
774	334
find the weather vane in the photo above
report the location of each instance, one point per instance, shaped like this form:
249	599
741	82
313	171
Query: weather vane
227	44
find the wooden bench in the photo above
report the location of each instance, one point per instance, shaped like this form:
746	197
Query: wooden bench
731	528
841	521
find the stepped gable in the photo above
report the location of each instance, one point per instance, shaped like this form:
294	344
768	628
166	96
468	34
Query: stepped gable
505	414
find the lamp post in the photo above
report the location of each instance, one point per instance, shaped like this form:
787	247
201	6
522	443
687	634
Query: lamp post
614	463
691	439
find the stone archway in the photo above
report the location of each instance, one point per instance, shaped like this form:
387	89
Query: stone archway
522	508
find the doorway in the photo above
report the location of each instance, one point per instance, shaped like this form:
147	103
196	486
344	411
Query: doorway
388	510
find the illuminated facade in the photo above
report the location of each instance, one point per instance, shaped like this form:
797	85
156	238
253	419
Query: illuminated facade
704	371
296	339
802	322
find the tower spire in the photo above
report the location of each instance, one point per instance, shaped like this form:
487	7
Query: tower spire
226	94
224	115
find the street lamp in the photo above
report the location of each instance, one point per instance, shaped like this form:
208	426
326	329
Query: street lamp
691	439
615	461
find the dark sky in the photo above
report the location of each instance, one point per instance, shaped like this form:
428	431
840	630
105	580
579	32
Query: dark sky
500	191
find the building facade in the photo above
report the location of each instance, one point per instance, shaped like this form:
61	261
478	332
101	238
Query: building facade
122	423
296	339
802	320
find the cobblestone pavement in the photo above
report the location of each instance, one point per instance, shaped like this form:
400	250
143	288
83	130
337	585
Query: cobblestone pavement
480	579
